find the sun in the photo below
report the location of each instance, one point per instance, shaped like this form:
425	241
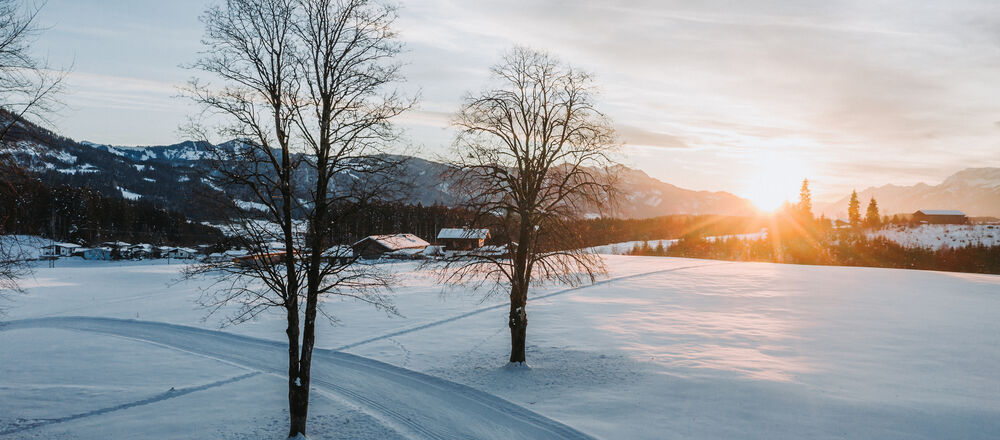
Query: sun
776	179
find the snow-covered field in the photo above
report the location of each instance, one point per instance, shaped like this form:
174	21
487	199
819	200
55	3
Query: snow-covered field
937	236
665	348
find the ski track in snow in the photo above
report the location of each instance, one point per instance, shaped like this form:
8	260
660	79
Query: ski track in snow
500	306
414	404
157	398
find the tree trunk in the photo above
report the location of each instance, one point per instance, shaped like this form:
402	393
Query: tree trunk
298	404
518	331
298	408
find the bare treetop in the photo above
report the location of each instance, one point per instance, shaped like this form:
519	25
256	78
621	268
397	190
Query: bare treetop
532	156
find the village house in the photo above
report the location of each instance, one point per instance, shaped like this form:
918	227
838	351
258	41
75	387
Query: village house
940	217
375	246
179	253
97	253
56	250
116	245
140	251
463	239
339	254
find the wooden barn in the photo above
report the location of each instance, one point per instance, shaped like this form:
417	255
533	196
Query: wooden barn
940	217
463	239
374	246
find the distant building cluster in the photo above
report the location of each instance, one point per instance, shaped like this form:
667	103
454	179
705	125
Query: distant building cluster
389	246
120	250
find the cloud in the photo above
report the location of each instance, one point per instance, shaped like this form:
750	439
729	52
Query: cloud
631	135
699	88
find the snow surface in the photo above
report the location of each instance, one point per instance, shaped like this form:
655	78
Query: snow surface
248	206
937	236
129	194
664	348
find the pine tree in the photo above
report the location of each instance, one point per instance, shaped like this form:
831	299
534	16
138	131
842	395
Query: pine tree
805	200
854	210
872	218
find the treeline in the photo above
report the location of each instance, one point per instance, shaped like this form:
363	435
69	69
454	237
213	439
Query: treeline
397	217
426	221
82	215
844	250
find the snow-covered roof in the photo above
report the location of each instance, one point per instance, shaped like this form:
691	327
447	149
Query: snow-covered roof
397	241
941	212
117	243
459	233
66	245
188	250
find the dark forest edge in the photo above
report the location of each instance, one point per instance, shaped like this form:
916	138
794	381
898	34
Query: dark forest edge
81	215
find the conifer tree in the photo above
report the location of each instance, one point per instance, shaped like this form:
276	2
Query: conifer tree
872	218
805	200
854	210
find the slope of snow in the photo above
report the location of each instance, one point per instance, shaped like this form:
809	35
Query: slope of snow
23	247
129	194
248	206
665	348
937	236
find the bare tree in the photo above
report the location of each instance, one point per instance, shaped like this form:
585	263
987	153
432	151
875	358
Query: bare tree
27	88
308	93
532	156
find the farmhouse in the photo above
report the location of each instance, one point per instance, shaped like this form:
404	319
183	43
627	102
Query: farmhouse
98	253
374	246
463	239
55	250
180	252
339	254
140	251
940	217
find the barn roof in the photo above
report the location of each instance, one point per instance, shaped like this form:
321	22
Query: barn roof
394	242
940	212
458	233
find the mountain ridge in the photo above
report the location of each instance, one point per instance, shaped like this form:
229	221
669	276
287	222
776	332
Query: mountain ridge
173	177
975	191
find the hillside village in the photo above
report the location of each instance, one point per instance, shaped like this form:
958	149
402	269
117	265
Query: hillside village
403	246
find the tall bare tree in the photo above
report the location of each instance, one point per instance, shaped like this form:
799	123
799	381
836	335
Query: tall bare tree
532	156
27	88
308	93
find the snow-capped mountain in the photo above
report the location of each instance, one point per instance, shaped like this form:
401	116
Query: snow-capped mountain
976	191
173	176
644	196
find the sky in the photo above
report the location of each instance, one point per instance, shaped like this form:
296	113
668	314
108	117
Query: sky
743	96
